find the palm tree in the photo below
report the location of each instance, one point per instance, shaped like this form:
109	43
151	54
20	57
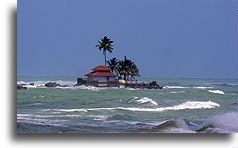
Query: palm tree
128	68
105	45
123	67
133	71
113	64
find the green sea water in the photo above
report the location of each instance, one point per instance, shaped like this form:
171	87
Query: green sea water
184	106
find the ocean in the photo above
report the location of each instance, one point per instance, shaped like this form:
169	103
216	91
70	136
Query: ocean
182	106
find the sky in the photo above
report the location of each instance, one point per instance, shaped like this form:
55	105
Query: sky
165	38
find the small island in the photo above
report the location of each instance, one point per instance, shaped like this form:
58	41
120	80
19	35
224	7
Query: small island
118	73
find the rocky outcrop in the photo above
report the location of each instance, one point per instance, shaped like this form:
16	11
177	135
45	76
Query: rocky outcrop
21	87
32	84
52	84
64	86
153	85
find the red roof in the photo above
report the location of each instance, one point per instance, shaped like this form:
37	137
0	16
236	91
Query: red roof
101	74
101	68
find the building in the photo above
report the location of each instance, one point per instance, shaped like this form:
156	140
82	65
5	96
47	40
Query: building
100	76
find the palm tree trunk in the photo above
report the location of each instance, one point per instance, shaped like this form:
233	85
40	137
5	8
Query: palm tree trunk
105	58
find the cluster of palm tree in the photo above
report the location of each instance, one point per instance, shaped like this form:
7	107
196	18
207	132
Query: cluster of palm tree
126	68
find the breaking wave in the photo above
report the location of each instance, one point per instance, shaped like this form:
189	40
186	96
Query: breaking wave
92	88
226	122
41	84
223	123
186	105
176	92
202	87
216	92
195	87
174	87
143	100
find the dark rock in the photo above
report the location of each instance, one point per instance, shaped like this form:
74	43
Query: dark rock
20	87
153	85
52	84
32	84
64	85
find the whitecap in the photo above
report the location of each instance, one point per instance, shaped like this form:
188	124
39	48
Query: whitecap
226	122
202	87
143	100
186	105
176	92
93	88
133	88
174	87
41	84
216	92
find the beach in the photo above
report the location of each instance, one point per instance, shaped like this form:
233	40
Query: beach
182	106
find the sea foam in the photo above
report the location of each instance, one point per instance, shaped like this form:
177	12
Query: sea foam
202	87
186	105
216	92
92	88
41	84
176	92
143	100
174	87
226	122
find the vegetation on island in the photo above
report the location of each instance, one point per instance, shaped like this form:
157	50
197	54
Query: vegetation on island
126	68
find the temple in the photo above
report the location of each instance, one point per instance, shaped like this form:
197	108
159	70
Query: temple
100	76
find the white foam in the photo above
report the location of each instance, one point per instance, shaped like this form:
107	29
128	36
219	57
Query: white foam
93	88
226	122
21	82
186	105
202	87
216	92
174	87
133	88
72	110
121	86
176	92
41	84
143	100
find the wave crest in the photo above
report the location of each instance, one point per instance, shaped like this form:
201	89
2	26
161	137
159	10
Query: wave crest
216	92
143	100
186	105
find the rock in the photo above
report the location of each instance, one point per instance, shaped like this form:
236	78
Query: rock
64	85
153	85
52	84
32	84
20	87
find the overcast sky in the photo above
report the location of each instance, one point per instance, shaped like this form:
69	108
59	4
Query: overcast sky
165	38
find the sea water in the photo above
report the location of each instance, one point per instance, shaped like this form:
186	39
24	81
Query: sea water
182	106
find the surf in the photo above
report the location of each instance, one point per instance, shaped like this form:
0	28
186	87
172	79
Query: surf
142	100
187	105
216	92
